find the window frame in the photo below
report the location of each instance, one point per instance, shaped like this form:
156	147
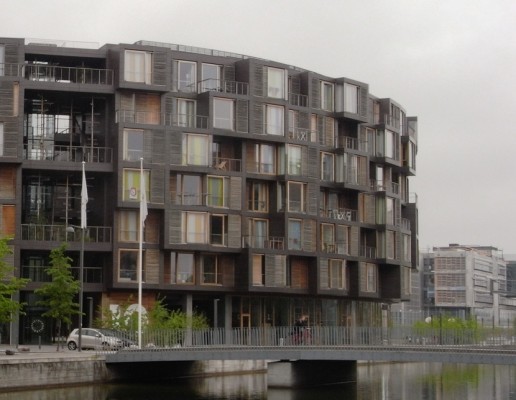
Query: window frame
217	274
227	121
223	234
135	154
129	231
187	86
189	156
274	112
185	183
302	200
183	273
131	58
132	193
271	89
351	98
224	201
134	257
337	270
294	159
327	166
327	96
258	196
188	119
195	227
295	242
209	87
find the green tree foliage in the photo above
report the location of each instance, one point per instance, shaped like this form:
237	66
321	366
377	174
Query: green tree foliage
59	294
9	285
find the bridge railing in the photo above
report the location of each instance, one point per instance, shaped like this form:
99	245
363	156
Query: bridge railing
160	340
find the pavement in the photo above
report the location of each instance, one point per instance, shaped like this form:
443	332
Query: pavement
43	352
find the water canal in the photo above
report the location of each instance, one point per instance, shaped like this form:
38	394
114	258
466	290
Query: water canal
401	381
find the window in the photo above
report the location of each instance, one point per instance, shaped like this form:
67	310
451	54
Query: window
351	98
258	196
138	66
294	234
327	171
223	113
129	228
218	230
133	144
211	77
182	266
294	160
186	76
276	83
2	60
390	212
132	184
258	230
327	96
390	141
274	124
293	124
195	229
343	239
217	191
195	149
129	265
337	274
296	197
258	270
211	270
328	238
368	277
189	190
1	139
186	113
265	158
140	108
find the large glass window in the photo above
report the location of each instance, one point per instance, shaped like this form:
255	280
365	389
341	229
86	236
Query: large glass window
294	159
129	227
196	149
294	234
390	144
211	270
259	232
258	270
265	156
337	272
189	190
132	185
390	212
183	267
328	238
218	229
186	76
293	124
217	191
276	83
327	170
296	197
327	96
351	98
186	113
274	120
195	227
223	113
258	194
211	77
138	66
128	270
133	144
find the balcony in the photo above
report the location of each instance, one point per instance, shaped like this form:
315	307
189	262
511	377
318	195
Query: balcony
300	100
351	143
38	273
263	242
186	121
335	247
341	214
227	164
368	252
139	117
68	153
52	73
302	134
58	233
216	85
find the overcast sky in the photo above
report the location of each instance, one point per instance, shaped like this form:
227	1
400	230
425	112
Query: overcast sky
451	63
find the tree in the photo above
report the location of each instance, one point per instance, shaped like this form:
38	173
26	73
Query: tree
9	285
59	294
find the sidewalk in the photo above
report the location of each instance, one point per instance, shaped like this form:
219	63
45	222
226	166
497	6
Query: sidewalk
36	352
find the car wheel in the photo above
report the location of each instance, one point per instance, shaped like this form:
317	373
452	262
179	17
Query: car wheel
72	346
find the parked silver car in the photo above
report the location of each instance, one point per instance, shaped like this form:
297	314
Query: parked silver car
103	339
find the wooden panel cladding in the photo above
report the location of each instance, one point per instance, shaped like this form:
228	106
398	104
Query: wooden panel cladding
258	118
354	244
7	182
295	84
172	183
228	270
157	186
11	53
323	273
275	270
329	131
250	161
160	68
158	146
367	208
299	273
152	227
309	234
229	73
312	166
364	95
242	116
151	266
259	80
174	227
235	190
11	137
6	99
316	93
175	140
8	218
234	231
312	197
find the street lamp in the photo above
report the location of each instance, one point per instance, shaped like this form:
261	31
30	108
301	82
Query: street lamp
81	270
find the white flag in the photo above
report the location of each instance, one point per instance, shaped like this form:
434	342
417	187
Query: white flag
143	200
84	198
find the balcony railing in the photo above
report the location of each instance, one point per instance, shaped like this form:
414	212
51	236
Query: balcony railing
58	233
69	153
351	143
217	85
405	223
139	117
341	214
39	273
301	134
186	121
367	252
264	242
52	73
338	247
227	164
300	100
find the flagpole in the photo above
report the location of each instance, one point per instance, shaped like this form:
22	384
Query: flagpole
140	251
84	201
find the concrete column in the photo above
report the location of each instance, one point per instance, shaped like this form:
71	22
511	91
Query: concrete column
228	320
307	373
188	305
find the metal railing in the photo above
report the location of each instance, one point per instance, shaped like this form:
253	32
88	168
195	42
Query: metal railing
217	85
367	252
264	242
139	117
58	233
301	134
296	99
52	73
343	214
227	164
39	273
186	120
69	153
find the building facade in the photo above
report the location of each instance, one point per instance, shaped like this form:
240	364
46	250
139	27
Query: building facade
272	191
467	282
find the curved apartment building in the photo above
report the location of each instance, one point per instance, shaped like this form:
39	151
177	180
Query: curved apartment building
272	191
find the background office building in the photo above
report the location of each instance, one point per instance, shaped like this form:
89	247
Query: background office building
272	191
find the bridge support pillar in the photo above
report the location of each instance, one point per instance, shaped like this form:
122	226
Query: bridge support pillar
310	373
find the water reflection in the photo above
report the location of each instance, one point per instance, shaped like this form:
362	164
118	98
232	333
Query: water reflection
375	381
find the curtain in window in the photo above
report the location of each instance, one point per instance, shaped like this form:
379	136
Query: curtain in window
276	81
187	76
294	160
197	150
129	226
137	66
274	120
215	192
259	233
186	113
350	98
196	228
294	234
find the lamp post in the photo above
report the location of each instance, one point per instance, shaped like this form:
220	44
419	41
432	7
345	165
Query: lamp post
81	270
